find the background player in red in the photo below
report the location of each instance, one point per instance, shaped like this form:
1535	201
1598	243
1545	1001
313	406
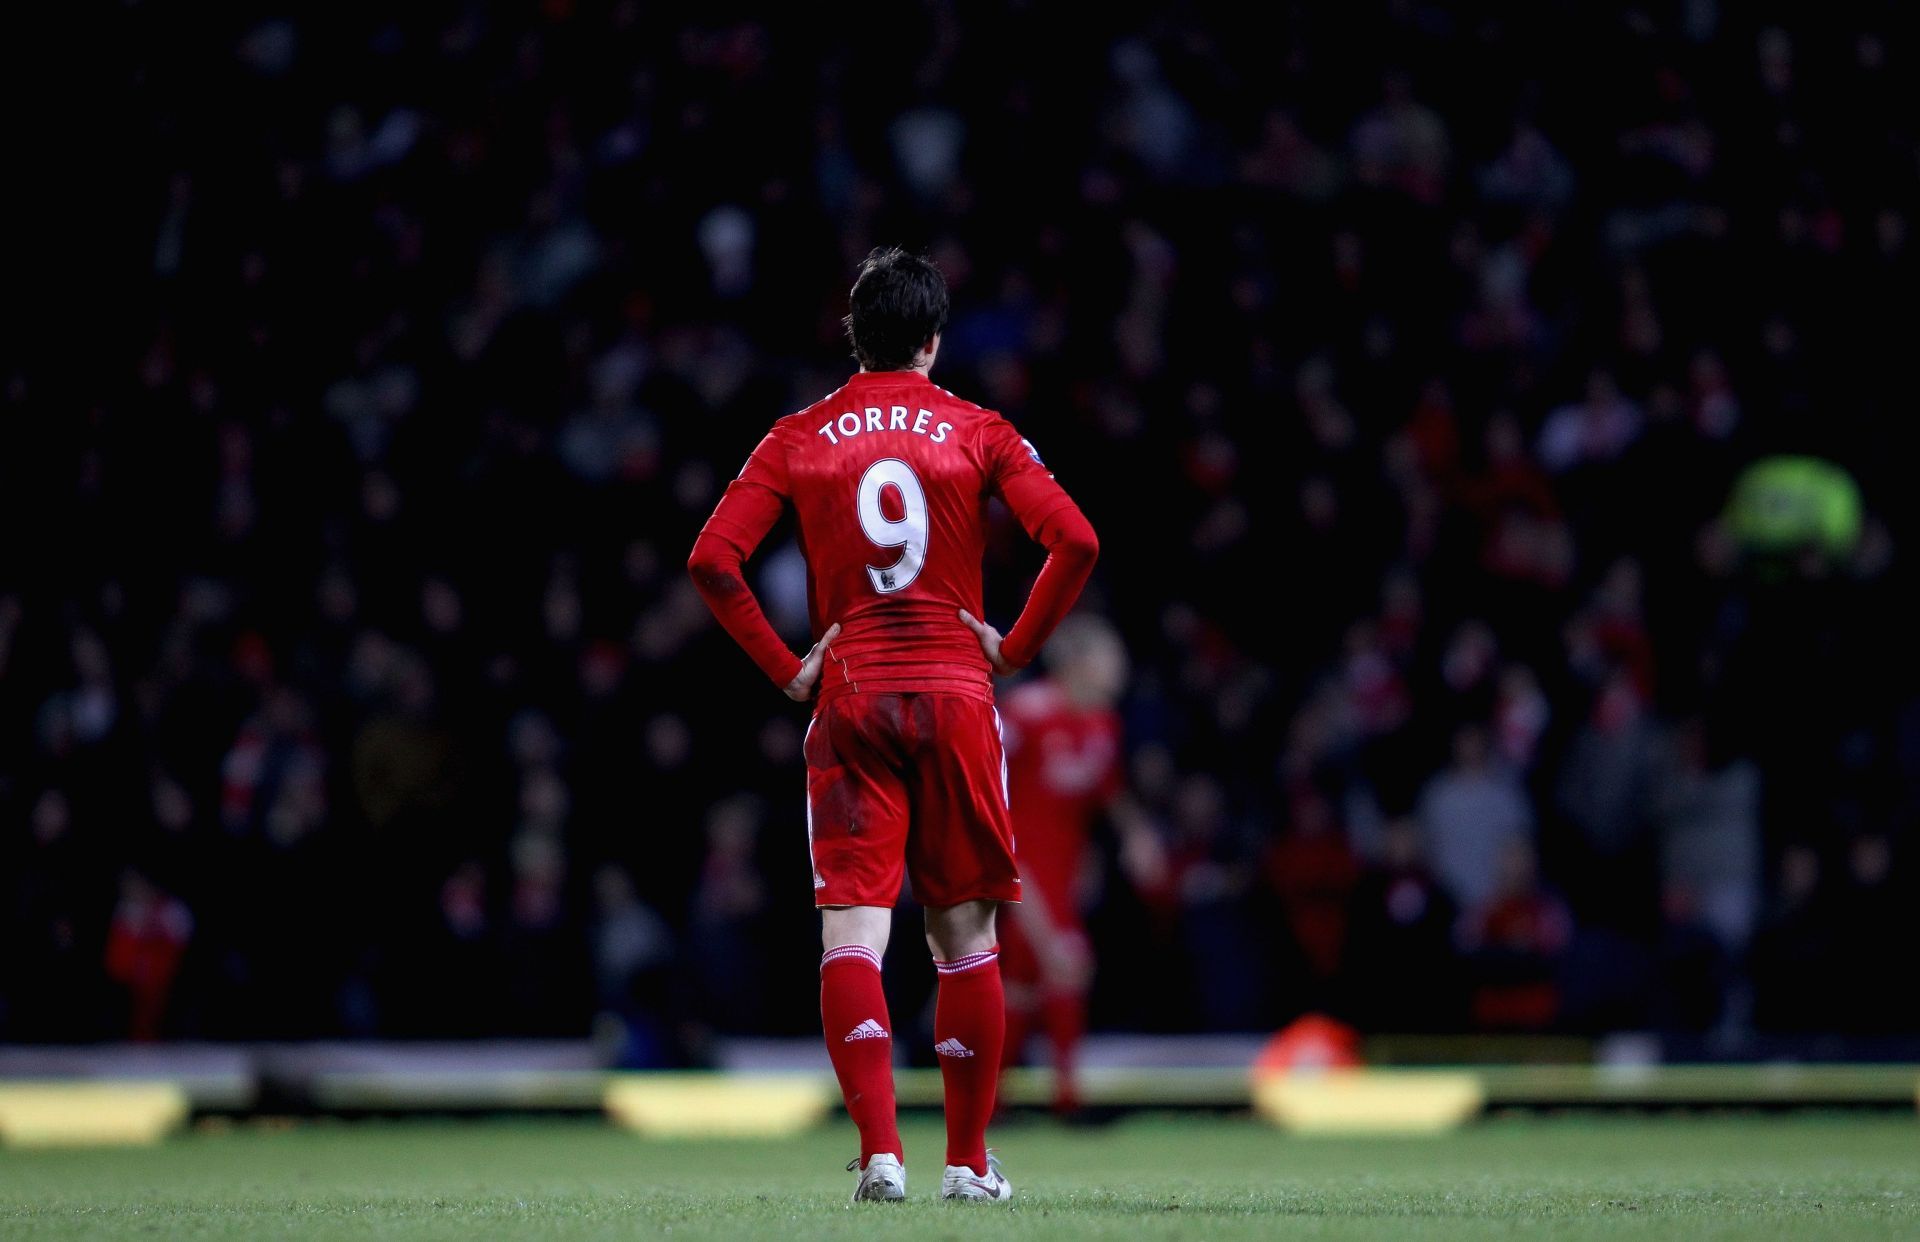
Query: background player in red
888	480
1066	768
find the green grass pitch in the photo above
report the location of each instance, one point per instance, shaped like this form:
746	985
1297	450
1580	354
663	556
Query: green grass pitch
1202	1178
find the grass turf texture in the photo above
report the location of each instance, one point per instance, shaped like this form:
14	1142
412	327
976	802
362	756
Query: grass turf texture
1792	1176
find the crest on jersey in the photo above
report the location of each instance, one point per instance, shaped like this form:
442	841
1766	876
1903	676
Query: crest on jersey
1032	451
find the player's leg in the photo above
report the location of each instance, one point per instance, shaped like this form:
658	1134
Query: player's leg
853	781
859	1033
960	859
1047	966
969	1031
1063	1015
1020	979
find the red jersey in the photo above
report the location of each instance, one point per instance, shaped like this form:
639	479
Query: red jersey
1063	768
888	479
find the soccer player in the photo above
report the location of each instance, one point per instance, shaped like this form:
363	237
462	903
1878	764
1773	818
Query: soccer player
888	479
1064	760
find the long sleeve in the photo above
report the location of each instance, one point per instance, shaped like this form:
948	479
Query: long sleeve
1052	520
752	504
1072	549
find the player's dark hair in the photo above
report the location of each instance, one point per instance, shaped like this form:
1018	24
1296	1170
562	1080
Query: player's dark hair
899	300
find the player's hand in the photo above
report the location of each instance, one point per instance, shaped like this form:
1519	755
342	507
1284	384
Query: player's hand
989	643
807	680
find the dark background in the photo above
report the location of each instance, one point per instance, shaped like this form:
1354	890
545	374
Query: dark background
370	374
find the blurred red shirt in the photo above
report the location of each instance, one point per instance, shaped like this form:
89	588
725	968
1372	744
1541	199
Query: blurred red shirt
1063	768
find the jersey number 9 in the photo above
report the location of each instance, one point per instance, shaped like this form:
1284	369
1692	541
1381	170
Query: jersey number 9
908	533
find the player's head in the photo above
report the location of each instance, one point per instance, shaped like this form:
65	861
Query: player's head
897	310
1088	660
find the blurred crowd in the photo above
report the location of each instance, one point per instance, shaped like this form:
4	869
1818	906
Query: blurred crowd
1491	416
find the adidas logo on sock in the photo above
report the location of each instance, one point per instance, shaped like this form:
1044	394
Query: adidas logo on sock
951	1047
870	1030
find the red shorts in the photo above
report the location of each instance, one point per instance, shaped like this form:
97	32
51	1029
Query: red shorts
911	785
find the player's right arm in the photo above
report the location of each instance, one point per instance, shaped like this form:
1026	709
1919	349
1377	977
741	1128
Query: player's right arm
1051	519
746	512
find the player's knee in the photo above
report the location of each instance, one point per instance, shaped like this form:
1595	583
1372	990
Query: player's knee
861	925
957	931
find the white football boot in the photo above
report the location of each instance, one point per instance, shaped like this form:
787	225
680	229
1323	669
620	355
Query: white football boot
962	1182
882	1181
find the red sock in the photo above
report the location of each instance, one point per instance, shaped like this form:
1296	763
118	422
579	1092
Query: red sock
853	1014
969	1030
1065	1014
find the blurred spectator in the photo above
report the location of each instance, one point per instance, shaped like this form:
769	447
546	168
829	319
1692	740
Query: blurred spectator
633	962
1402	964
1521	715
458	966
1708	806
1211	875
1471	816
1515	941
145	942
1604	791
544	940
729	906
1312	871
1596	429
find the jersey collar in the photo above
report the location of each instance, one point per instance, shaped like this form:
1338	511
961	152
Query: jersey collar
864	378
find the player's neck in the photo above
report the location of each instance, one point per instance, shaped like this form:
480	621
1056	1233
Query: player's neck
916	369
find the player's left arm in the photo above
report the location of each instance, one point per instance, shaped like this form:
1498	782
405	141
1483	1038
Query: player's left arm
746	512
1049	516
1064	960
1143	852
1139	841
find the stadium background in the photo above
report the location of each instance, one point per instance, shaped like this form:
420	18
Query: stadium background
1413	363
